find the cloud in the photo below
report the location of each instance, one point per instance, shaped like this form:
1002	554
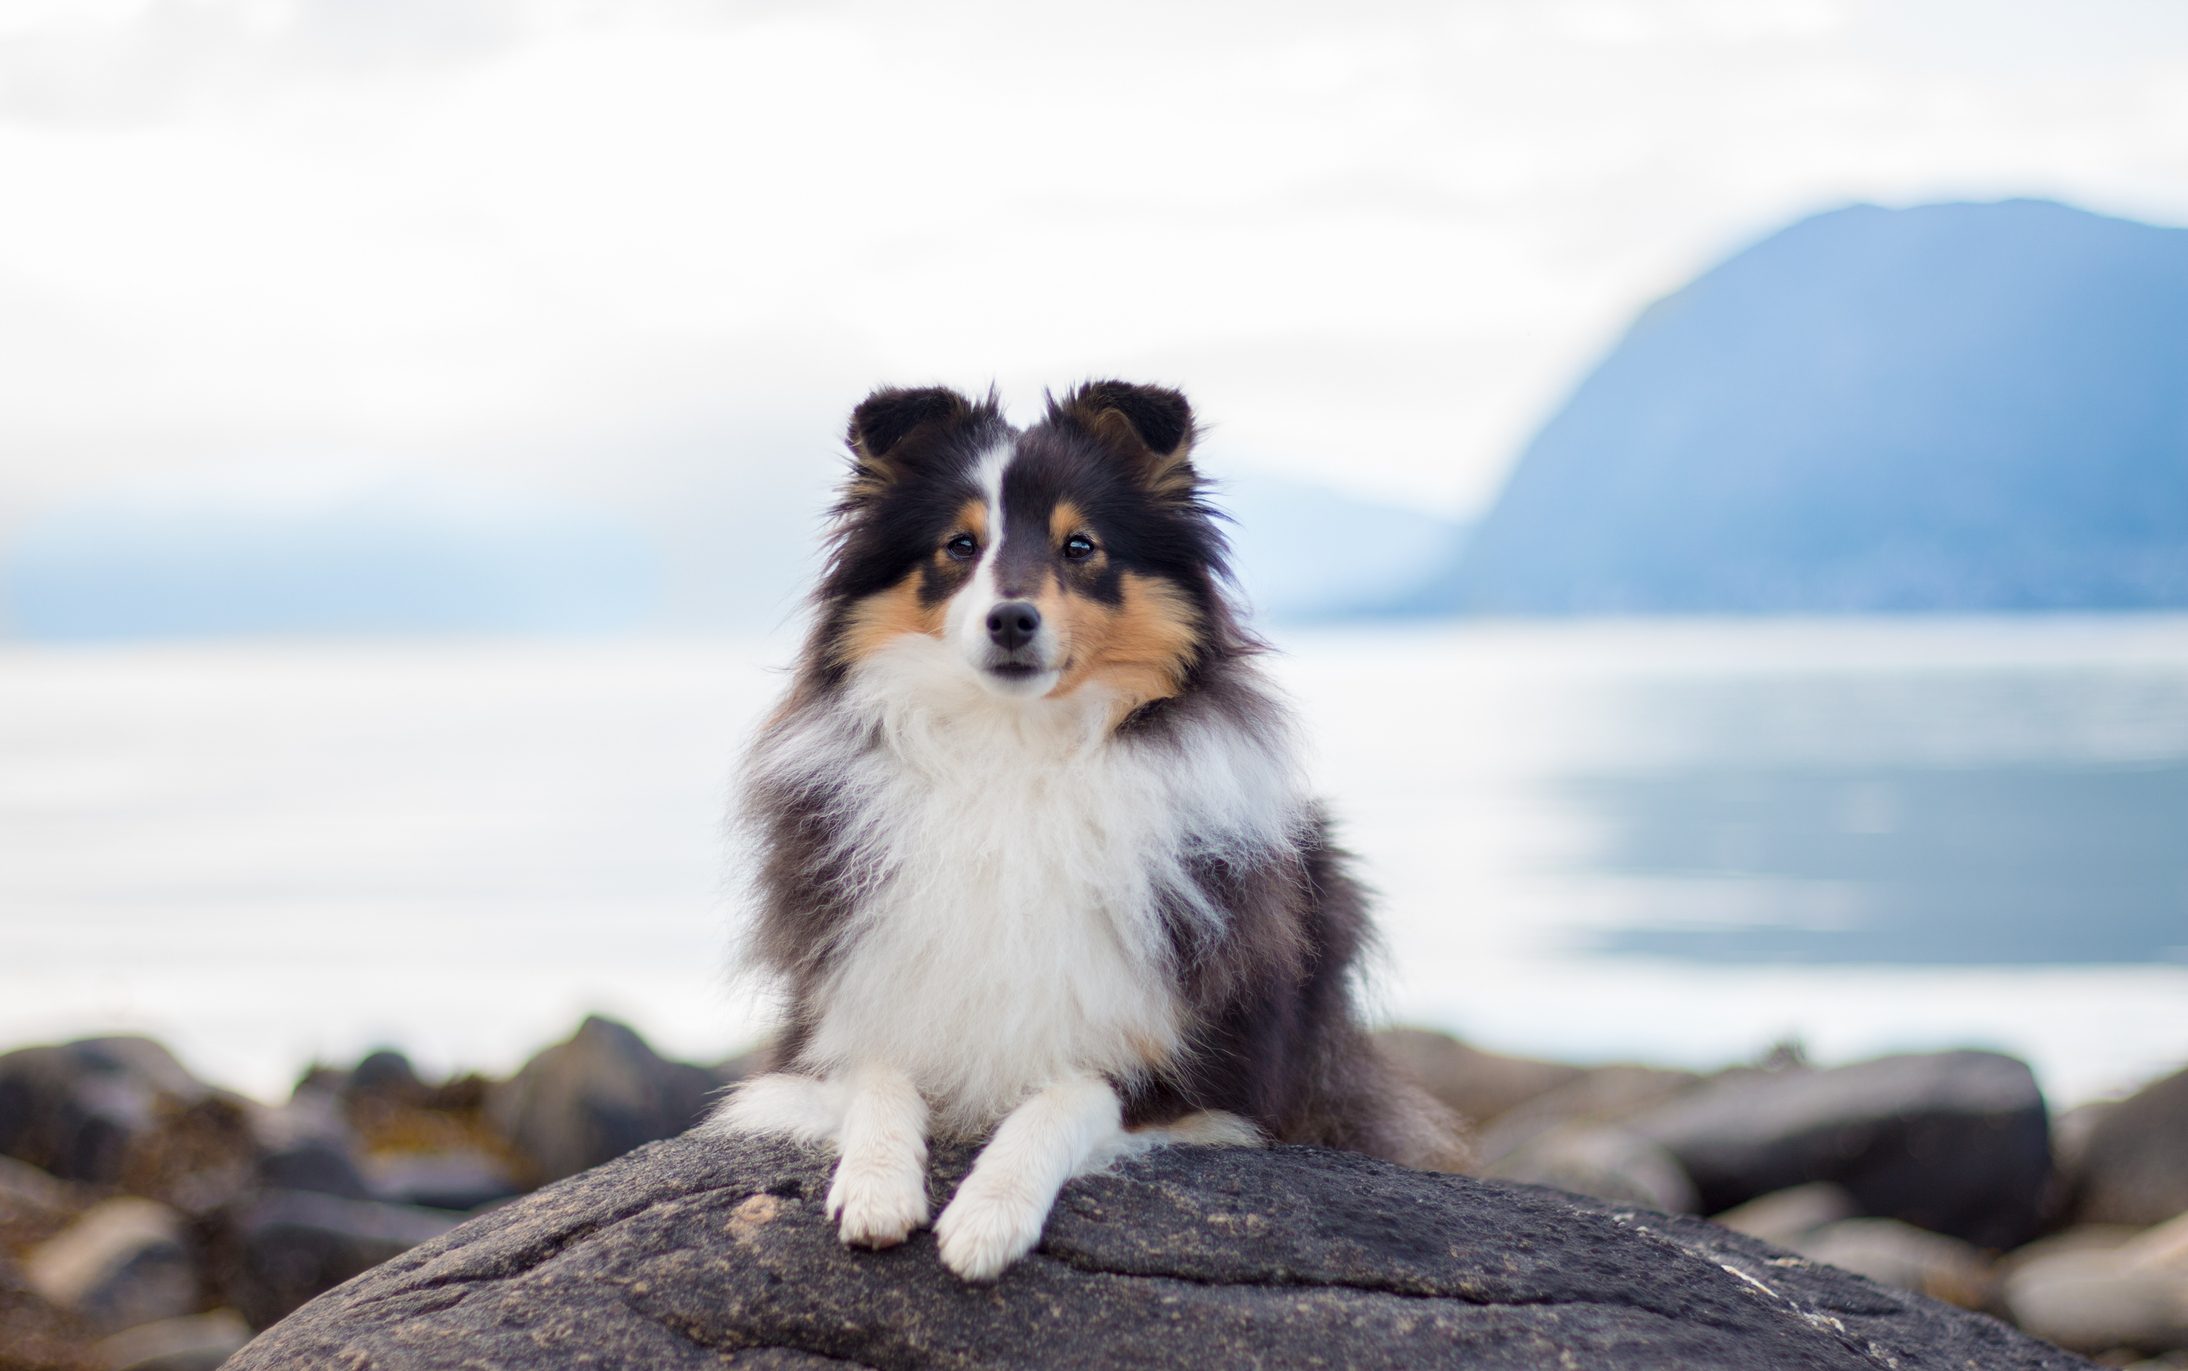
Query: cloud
573	242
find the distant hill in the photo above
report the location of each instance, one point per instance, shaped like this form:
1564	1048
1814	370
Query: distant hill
1964	407
1305	552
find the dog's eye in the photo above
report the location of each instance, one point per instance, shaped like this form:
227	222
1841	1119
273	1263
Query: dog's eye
962	547
1078	547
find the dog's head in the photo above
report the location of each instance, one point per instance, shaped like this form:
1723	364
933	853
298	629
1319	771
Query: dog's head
1080	551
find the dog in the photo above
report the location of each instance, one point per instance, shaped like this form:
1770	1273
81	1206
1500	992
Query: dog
1032	857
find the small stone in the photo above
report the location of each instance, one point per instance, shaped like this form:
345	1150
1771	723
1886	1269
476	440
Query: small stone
1606	1162
34	1206
2130	1161
1901	1255
196	1342
459	1178
301	1147
125	1262
1786	1216
1603	1094
386	1074
36	1335
1477	1085
2096	1299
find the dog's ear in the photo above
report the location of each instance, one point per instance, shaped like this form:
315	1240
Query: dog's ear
1149	427
893	429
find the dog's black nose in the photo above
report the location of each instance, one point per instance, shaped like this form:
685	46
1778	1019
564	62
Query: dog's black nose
1012	624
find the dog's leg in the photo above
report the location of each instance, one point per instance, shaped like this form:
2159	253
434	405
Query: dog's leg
782	1105
998	1213
880	1192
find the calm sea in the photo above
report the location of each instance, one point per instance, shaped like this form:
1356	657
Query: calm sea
1678	842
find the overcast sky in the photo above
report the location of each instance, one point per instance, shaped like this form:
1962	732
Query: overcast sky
578	244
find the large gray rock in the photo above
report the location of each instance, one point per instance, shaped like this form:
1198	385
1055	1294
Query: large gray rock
595	1097
1955	1142
699	1253
122	1111
2131	1166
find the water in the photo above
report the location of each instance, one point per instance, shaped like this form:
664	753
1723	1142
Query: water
1678	842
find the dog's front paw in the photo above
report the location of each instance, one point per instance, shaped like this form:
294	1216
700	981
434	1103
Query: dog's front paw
877	1206
986	1228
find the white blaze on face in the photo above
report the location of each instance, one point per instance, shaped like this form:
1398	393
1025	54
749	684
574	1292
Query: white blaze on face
966	623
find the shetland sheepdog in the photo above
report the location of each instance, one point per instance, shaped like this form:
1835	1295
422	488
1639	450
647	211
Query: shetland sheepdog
1032	860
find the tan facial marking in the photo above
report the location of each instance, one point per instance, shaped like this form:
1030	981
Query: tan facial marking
886	615
1065	520
973	519
897	611
1138	648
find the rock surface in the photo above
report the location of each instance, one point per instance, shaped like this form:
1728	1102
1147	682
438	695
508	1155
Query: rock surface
696	1253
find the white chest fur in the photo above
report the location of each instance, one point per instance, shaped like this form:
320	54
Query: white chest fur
1011	859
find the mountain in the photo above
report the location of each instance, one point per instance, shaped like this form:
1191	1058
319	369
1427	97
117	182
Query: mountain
1960	407
1305	552
397	557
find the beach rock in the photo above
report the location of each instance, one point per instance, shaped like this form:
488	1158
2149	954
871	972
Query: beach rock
306	1144
459	1178
702	1252
1955	1142
34	1206
1606	1162
126	1261
1784	1217
36	1335
598	1095
2131	1163
122	1111
288	1246
196	1342
1478	1085
2102	1289
73	1109
1600	1095
385	1074
1899	1254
